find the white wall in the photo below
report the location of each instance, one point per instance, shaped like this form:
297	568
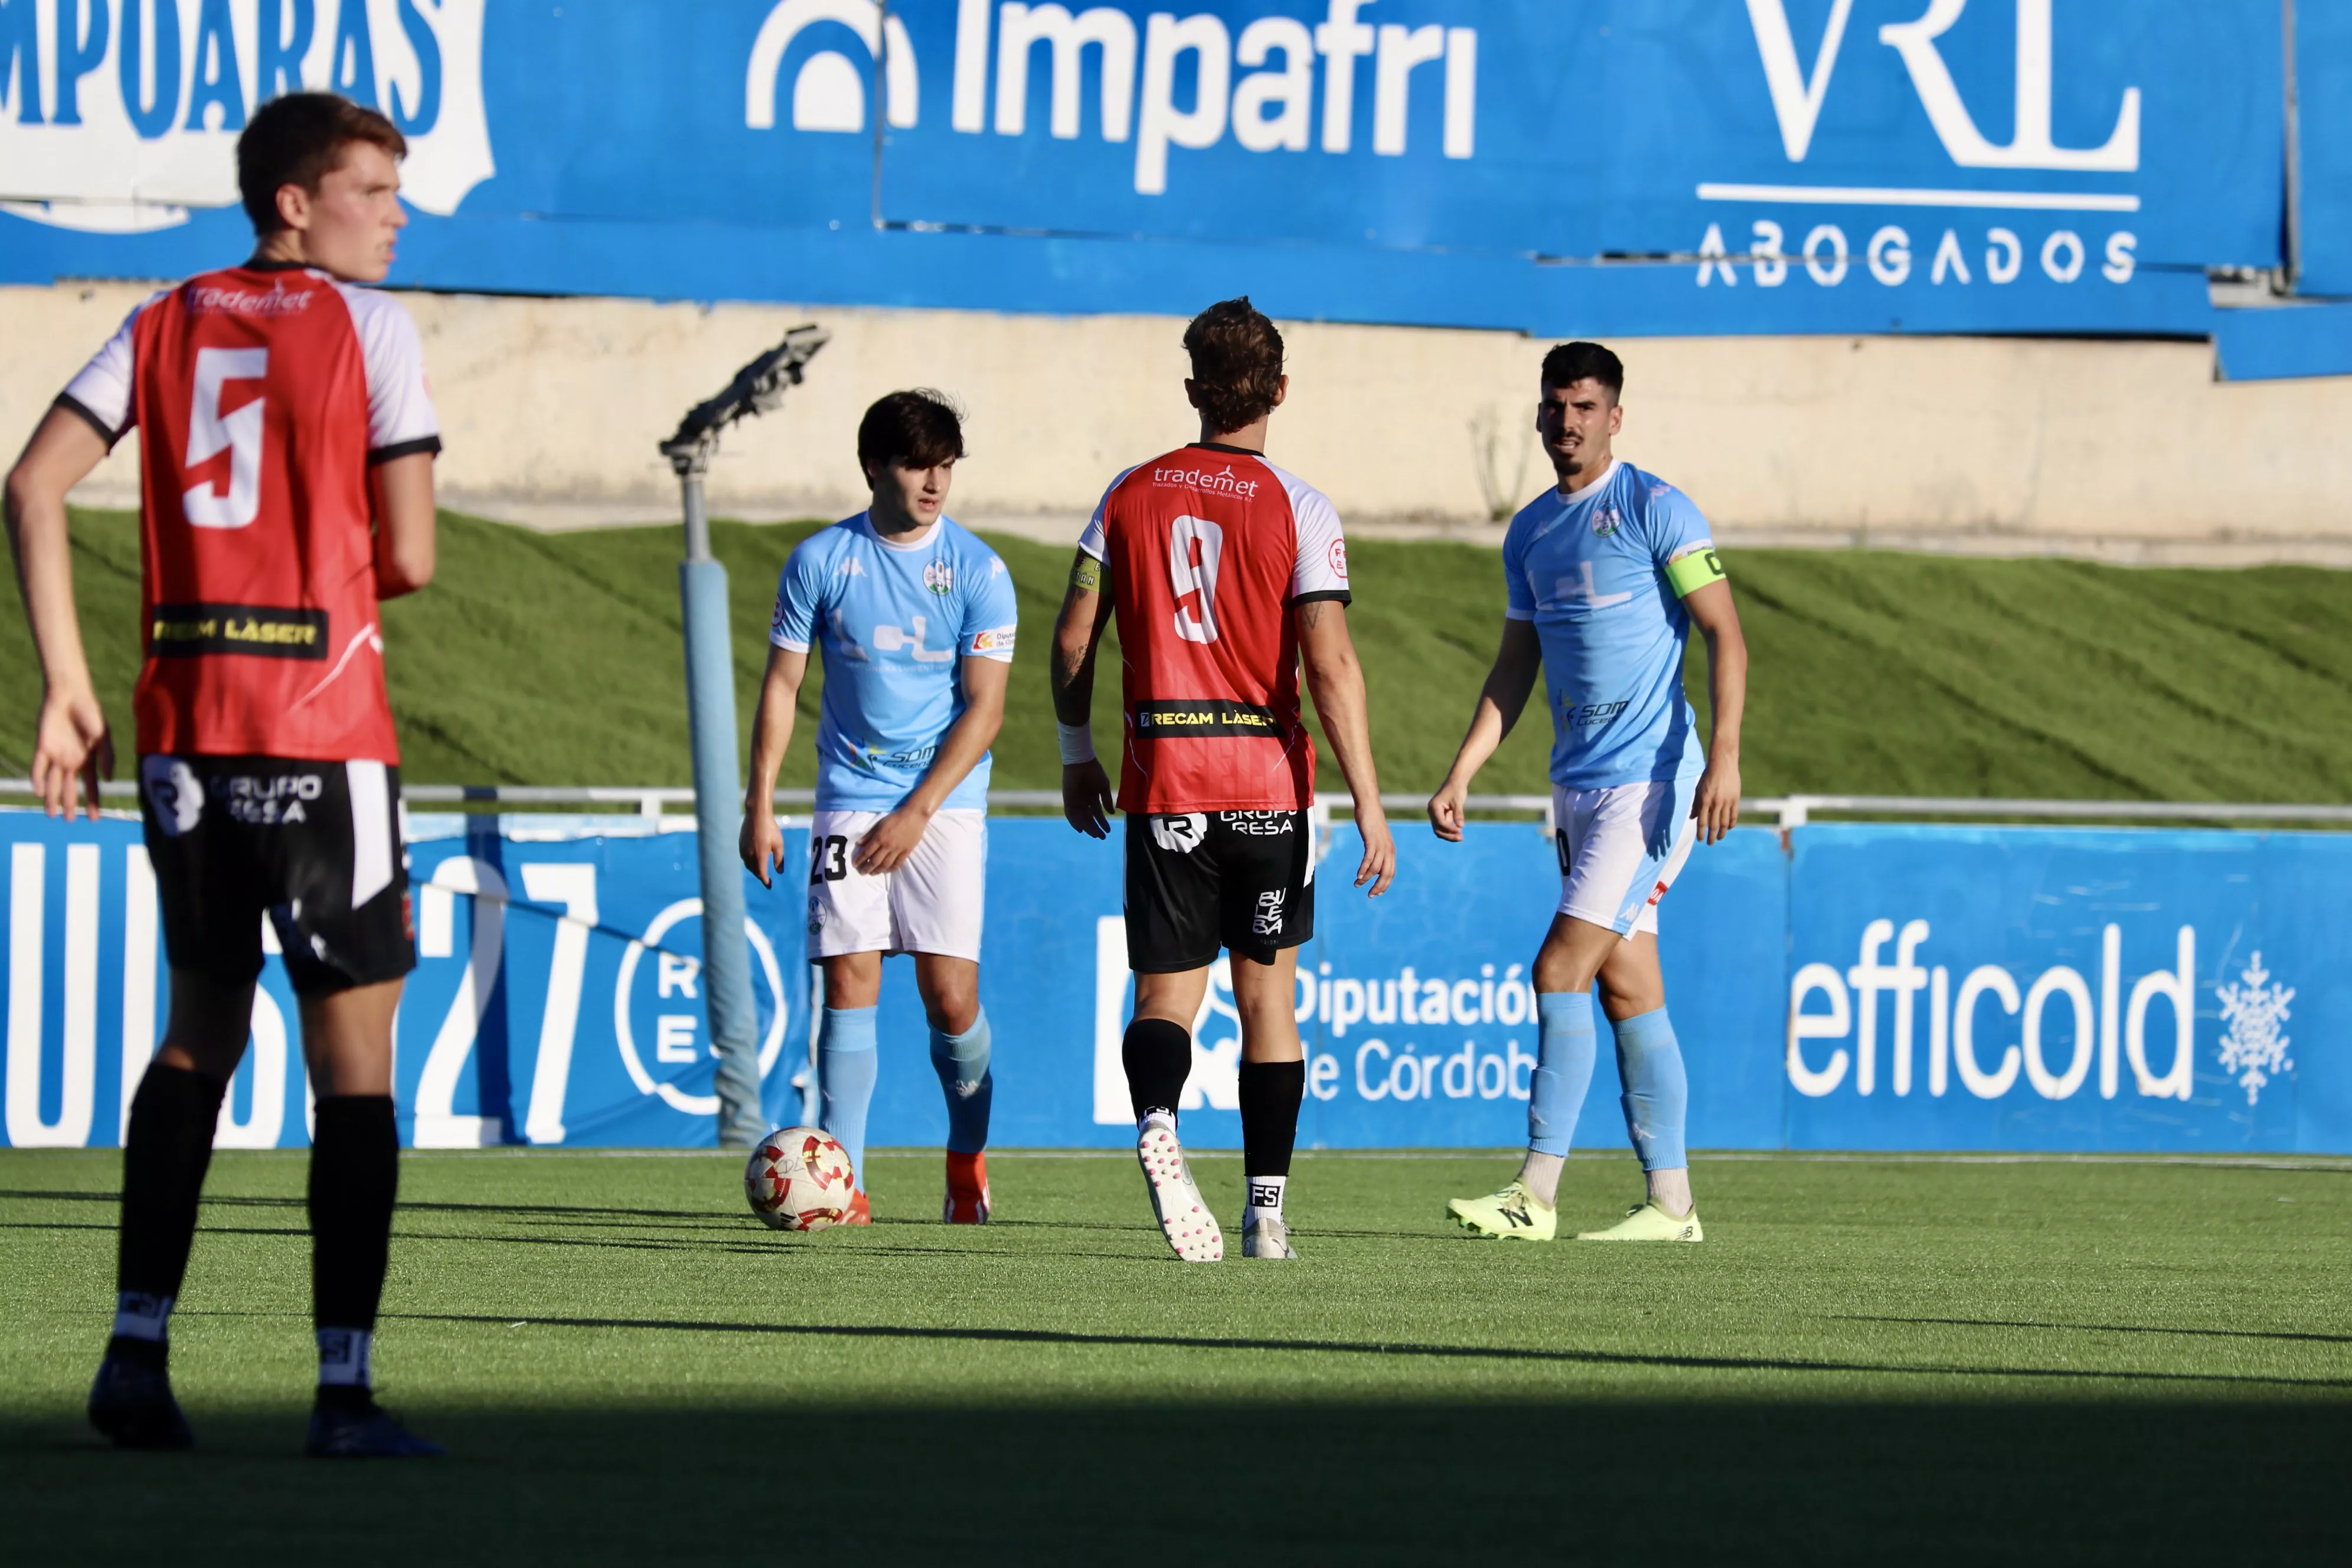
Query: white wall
552	408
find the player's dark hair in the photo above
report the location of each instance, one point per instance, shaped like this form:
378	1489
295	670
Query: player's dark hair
299	140
1569	363
917	429
1237	364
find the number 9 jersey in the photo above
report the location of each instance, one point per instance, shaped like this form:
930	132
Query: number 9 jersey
1209	548
264	395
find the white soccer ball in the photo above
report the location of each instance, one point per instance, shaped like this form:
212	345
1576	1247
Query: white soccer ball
800	1179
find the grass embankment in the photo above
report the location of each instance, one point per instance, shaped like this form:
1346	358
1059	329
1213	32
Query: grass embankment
555	659
1867	1361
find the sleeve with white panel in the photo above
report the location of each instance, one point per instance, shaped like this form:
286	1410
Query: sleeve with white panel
1319	569
1095	539
401	421
1077	741
101	393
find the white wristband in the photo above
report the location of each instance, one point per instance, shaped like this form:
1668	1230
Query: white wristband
1077	742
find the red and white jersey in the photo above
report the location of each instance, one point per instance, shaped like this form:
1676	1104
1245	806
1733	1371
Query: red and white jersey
1208	549
263	394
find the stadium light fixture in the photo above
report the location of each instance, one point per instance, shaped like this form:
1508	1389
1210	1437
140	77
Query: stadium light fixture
758	388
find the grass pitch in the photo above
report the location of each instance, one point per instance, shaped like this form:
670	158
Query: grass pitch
538	659
1869	1359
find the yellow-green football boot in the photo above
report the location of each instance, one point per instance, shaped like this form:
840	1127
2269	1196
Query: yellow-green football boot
1513	1212
1648	1222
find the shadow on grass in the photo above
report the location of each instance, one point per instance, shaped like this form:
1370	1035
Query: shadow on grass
1528	1353
1222	1482
2286	1334
586	1213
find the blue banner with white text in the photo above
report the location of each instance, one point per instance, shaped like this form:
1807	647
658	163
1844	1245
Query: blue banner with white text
1629	166
1865	987
556	998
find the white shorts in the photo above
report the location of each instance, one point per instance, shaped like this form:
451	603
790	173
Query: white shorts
1621	848
932	904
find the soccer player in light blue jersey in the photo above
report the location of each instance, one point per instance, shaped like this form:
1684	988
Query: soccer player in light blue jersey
915	616
1604	577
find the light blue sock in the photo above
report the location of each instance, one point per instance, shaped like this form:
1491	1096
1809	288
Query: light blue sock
846	1066
1564	1054
1657	1091
962	1062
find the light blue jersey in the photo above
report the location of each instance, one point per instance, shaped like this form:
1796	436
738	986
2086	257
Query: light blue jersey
895	621
1602	573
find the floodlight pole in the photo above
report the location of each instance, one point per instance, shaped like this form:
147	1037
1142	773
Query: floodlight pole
718	808
710	706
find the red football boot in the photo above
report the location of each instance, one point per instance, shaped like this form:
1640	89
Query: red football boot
967	1199
858	1212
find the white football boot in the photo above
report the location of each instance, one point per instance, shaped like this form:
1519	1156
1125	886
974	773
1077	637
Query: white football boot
1191	1229
1266	1236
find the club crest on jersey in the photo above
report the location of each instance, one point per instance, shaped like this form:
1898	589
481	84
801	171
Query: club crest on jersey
938	577
1606	520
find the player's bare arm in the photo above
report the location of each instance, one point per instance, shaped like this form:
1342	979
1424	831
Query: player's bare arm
887	845
1500	702
1336	681
761	843
71	741
1078	634
1712	611
405	530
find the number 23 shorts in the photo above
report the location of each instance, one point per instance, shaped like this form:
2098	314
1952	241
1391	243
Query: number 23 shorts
932	904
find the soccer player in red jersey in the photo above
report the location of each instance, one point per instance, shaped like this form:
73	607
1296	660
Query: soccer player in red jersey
1226	575
287	443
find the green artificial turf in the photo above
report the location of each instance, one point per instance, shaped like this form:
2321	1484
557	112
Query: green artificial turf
538	658
1870	1359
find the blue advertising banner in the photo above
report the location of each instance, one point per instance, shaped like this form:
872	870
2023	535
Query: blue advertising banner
1865	987
1620	166
556	998
2323	69
2036	988
2282	342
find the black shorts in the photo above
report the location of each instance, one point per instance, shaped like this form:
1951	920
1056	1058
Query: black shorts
1198	880
314	846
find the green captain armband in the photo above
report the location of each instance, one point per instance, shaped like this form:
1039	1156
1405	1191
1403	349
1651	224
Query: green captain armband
1086	574
1694	570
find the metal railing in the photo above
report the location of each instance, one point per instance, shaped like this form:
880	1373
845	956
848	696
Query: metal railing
1786	811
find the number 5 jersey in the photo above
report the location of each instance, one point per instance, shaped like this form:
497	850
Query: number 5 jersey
1208	550
263	396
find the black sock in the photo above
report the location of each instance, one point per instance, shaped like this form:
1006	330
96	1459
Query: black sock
354	1177
1158	1058
165	1153
1271	1093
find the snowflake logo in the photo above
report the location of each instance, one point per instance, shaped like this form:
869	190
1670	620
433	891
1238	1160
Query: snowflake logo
2253	1047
